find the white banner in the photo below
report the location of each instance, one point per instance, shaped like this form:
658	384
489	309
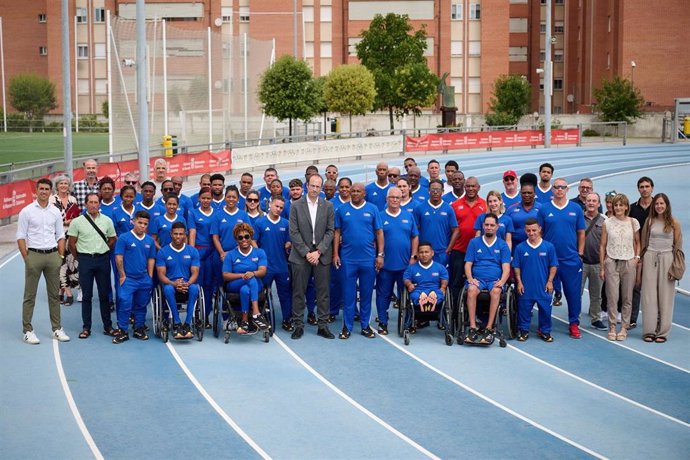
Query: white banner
276	154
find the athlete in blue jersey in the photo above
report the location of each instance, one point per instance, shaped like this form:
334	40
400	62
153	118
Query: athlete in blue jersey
122	215
252	206
563	223
329	190
336	284
543	190
225	221
218	191
204	181
147	204
535	263
436	222
161	226
270	174
426	280
272	234
106	191
487	267
167	190
377	190
511	195
200	221
358	252
135	255
418	191
246	185
178	270
494	204
185	204
243	269
401	237
527	208
457	191
406	202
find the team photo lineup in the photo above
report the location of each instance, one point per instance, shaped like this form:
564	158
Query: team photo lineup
433	244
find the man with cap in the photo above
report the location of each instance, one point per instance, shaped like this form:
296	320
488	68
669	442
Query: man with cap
511	195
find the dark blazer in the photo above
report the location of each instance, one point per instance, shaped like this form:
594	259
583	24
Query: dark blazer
301	231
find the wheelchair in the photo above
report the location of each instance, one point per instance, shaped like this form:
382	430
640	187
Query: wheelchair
409	314
227	306
505	322
162	318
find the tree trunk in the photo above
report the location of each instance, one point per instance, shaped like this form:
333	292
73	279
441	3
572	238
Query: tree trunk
350	123
390	117
290	129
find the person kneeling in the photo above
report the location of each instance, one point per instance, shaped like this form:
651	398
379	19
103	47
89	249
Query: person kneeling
426	280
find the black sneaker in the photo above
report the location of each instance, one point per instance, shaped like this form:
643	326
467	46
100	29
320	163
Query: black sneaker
331	319
121	337
546	337
311	319
599	325
140	334
243	327
260	321
287	326
178	332
557	299
472	335
632	325
187	329
522	336
368	333
344	334
383	329
207	324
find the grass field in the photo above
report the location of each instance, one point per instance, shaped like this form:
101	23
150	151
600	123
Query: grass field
34	147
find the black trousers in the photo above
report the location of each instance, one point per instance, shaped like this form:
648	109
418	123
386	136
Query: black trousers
95	268
301	273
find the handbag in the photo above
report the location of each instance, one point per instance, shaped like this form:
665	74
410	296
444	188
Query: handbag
677	269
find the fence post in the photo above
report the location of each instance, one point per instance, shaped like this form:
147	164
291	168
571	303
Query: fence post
625	133
579	135
404	142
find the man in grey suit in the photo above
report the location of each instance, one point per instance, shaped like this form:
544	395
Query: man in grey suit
311	231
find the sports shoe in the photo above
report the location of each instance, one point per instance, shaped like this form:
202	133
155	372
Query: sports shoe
243	328
260	321
122	337
557	299
31	338
599	325
472	336
546	337
331	319
140	333
287	326
522	336
311	319
383	329
187	331
632	325
178	332
79	296
575	331
60	336
368	333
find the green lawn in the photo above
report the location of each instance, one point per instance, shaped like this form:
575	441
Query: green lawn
22	147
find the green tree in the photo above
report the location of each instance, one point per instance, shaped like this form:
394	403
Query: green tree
387	45
350	89
320	105
287	90
33	95
416	87
510	100
618	100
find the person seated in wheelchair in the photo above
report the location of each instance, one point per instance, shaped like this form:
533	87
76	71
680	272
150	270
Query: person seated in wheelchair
177	265
426	280
242	268
487	268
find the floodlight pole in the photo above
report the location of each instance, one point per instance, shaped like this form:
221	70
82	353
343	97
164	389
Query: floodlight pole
144	173
2	69
66	92
548	78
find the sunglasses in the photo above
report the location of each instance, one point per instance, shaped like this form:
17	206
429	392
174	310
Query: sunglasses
560	187
393	175
252	200
168	189
243	237
130	182
509	179
611	194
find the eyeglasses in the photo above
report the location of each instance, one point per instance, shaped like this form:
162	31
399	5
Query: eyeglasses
168	189
612	193
243	237
252	200
585	187
435	190
560	187
130	182
508	179
394	175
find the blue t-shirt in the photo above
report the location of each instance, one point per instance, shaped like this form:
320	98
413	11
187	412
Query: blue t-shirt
397	232
265	195
505	225
218	205
508	201
202	224
161	227
421	195
519	216
426	278
534	264
223	225
155	210
358	228
487	260
409	206
543	196
178	263
560	226
182	206
435	224
337	202
122	220
451	196
107	209
236	262
271	237
376	195
135	252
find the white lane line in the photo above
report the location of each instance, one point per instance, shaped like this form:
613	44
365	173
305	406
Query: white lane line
598	387
582	329
10	259
72	404
347	398
215	405
494	402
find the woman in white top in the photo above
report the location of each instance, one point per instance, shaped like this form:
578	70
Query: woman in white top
661	236
619	254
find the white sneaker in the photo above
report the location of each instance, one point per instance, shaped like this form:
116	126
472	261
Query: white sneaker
60	335
79	296
31	338
603	316
618	318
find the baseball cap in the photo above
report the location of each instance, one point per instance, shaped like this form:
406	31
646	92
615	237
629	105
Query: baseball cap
510	173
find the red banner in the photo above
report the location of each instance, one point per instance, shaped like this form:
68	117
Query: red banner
485	139
15	196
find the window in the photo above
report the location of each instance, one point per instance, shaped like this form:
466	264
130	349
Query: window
542	27
326	49
244	14
101	86
558	84
558	56
42	50
475	11
456	82
99	14
608	60
82	86
99	51
557	109
352	45
558	2
517	25
456	12
81	15
226	14
474	85
608	24
517	54
309	50
559	27
82	51
456	48
541	83
475	48
308	13
542	56
42	18
326	14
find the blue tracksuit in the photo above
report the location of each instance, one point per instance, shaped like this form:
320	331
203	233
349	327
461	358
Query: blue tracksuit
135	292
178	265
534	264
436	224
560	227
508	201
209	259
236	262
376	195
519	216
162	226
223	225
421	195
505	225
451	196
271	237
358	227
398	230
426	278
543	196
155	210
487	260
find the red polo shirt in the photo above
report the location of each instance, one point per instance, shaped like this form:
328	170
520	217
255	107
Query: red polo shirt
466	215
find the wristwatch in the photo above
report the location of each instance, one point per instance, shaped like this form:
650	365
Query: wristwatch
380	254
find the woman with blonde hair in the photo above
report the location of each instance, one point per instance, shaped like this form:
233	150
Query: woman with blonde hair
619	254
67	204
661	240
495	205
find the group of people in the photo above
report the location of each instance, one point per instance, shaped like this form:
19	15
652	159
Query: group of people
328	243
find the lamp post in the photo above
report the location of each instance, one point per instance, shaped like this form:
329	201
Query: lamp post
632	72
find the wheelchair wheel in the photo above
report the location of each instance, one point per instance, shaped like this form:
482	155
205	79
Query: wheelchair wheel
449	318
460	317
269	312
406	336
199	315
155	312
402	311
511	312
218	299
267	335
